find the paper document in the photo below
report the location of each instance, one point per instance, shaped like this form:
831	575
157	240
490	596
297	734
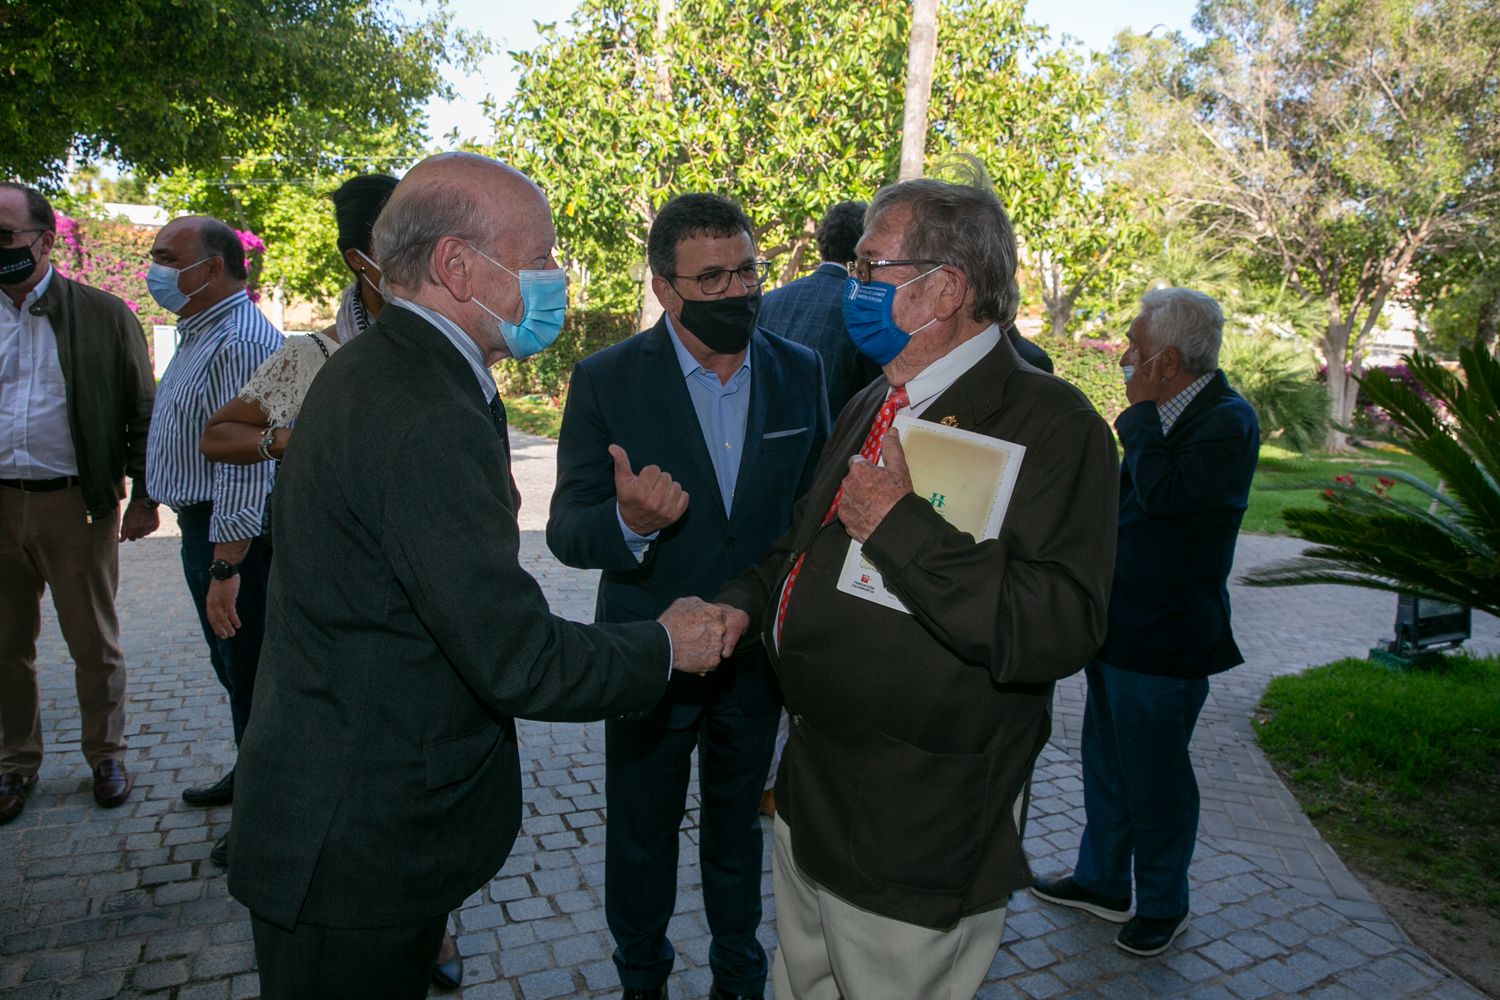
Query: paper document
967	477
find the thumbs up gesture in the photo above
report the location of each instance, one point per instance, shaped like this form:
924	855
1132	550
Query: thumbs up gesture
649	500
870	491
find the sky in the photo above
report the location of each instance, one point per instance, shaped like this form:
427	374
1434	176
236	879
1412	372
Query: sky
511	27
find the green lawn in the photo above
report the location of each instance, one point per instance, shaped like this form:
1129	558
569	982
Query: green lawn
1279	467
1400	770
534	415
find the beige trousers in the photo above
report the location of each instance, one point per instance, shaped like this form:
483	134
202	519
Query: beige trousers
45	541
833	950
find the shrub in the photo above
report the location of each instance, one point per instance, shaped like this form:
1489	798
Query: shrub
1277	381
1446	545
1091	365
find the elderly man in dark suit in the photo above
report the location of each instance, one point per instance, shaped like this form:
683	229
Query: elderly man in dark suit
379	783
901	797
810	310
1190	444
725	445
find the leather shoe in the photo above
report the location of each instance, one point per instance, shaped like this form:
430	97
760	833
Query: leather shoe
448	975
13	792
220	793
111	784
220	854
718	994
660	993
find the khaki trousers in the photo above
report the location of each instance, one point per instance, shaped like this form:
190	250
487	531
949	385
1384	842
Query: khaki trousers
833	950
45	541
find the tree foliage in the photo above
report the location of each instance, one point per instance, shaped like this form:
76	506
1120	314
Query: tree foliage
788	107
163	84
1334	140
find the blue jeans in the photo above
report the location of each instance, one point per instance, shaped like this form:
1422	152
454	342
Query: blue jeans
1139	793
235	659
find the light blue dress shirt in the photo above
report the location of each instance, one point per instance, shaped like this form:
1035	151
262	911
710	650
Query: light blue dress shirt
723	410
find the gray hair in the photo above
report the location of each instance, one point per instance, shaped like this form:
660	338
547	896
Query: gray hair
963	224
409	228
1187	320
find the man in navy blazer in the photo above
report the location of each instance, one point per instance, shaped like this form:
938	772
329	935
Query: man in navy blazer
1189	445
681	453
810	310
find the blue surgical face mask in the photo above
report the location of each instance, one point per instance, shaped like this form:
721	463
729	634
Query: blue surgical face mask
544	300
867	317
162	283
1129	370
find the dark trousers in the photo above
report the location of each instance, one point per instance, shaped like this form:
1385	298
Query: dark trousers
646	783
234	659
1139	793
337	963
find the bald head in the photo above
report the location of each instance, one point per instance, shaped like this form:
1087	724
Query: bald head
204	236
459	195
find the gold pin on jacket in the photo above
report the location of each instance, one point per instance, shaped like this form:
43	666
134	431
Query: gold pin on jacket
949	421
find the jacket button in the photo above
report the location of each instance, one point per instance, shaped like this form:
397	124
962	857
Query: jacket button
796	720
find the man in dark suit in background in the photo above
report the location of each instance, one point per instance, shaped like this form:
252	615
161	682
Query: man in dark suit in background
724	424
810	310
1190	444
379	784
901	798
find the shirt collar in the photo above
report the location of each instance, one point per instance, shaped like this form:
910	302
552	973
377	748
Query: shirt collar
1172	408
927	384
461	342
36	293
208	317
685	359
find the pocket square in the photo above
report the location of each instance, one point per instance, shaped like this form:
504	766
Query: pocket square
784	434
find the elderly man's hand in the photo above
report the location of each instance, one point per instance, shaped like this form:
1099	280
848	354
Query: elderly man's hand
1146	381
870	491
649	501
697	631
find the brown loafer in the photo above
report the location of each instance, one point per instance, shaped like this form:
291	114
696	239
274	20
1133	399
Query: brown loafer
13	791
111	784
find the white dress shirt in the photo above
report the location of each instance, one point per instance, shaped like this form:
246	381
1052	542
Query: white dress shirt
36	441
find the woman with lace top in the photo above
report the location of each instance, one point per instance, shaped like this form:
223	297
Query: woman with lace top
256	426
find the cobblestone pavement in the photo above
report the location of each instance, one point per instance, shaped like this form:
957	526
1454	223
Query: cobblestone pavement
97	904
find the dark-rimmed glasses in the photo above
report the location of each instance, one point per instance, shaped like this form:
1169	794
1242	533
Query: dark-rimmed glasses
716	282
8	236
862	268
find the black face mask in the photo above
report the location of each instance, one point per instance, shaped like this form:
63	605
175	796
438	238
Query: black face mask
724	325
16	264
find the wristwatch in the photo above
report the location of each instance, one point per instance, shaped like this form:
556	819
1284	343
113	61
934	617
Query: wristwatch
264	447
222	570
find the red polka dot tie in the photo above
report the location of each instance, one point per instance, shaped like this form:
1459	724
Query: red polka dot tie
870	452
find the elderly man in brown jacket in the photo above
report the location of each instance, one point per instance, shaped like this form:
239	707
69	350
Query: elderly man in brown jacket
902	795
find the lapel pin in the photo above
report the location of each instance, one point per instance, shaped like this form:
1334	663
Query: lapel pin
949	421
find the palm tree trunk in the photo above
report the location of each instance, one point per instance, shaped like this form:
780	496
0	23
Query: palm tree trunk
921	50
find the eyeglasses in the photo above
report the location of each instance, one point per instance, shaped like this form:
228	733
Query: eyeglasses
716	282
8	236
862	268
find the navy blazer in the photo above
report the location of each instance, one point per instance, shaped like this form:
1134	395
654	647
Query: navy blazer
633	394
1182	497
810	311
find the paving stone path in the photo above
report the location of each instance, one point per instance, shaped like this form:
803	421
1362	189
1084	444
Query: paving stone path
125	903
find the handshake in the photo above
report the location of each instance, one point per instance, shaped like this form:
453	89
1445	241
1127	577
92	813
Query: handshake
702	634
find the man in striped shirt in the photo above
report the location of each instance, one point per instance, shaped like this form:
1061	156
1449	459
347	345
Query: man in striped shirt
198	272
